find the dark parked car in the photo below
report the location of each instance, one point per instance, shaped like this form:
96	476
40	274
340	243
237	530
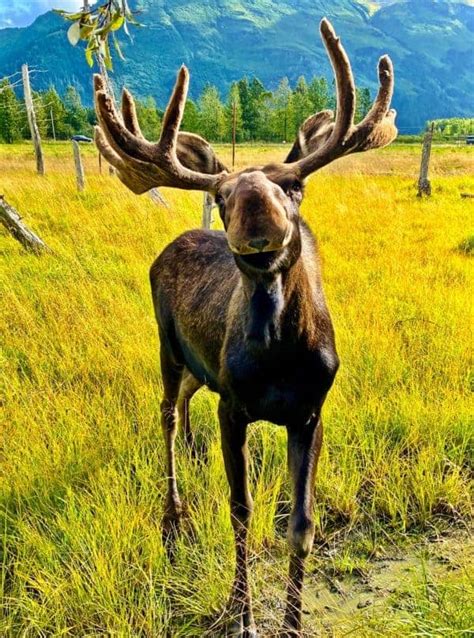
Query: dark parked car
81	138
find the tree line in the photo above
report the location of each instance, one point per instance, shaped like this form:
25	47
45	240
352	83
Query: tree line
259	113
453	126
57	117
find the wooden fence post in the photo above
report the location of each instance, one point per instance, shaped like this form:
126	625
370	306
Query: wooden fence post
12	221
207	207
79	167
35	136
53	128
424	186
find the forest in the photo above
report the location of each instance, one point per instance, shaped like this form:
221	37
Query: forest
260	114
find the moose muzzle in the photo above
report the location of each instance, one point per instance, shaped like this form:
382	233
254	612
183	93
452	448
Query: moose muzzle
257	216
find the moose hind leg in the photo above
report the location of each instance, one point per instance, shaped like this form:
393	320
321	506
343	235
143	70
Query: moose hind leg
189	386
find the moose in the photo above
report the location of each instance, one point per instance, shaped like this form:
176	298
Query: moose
242	311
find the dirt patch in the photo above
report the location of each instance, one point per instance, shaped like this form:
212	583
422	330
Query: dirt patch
357	603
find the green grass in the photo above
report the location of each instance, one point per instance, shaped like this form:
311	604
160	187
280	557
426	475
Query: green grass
82	466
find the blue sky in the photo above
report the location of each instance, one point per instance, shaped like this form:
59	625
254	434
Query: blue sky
20	13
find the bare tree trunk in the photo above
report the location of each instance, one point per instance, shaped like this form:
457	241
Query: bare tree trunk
108	84
234	130
35	136
207	210
108	87
79	166
12	221
424	186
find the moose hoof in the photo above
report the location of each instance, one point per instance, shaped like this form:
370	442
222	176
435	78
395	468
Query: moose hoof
241	625
171	525
238	629
288	632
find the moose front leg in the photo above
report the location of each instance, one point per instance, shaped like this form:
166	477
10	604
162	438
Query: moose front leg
304	446
234	448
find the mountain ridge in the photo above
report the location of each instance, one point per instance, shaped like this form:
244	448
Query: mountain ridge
429	41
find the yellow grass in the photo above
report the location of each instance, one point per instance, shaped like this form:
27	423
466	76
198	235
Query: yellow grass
82	469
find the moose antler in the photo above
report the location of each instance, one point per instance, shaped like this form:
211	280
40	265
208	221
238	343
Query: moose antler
331	137
140	164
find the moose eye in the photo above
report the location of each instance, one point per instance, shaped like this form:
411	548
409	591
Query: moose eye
294	187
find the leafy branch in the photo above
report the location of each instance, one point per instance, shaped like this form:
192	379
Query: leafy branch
95	25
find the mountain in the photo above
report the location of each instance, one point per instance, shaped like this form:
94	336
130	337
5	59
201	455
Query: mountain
430	42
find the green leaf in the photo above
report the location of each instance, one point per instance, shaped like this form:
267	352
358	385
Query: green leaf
74	33
67	15
117	23
86	31
117	48
105	53
89	57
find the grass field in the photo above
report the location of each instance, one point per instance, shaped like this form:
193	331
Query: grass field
81	458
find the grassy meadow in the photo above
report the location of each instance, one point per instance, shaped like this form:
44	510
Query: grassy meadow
81	458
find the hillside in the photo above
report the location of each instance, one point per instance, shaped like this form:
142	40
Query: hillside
430	42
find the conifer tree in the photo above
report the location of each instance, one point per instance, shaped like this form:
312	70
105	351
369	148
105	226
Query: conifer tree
302	104
211	114
150	121
233	99
55	114
76	114
190	117
318	91
10	114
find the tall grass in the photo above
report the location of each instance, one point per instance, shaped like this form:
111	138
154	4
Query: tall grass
81	465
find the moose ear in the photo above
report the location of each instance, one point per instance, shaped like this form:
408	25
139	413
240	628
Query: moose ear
313	133
198	155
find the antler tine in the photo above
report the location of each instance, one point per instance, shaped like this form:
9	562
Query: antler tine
117	134
129	114
174	112
346	93
105	140
106	150
382	102
345	104
377	129
142	165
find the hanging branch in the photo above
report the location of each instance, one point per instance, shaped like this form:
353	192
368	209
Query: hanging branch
95	25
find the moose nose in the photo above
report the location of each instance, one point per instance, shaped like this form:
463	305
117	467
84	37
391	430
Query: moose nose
258	244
